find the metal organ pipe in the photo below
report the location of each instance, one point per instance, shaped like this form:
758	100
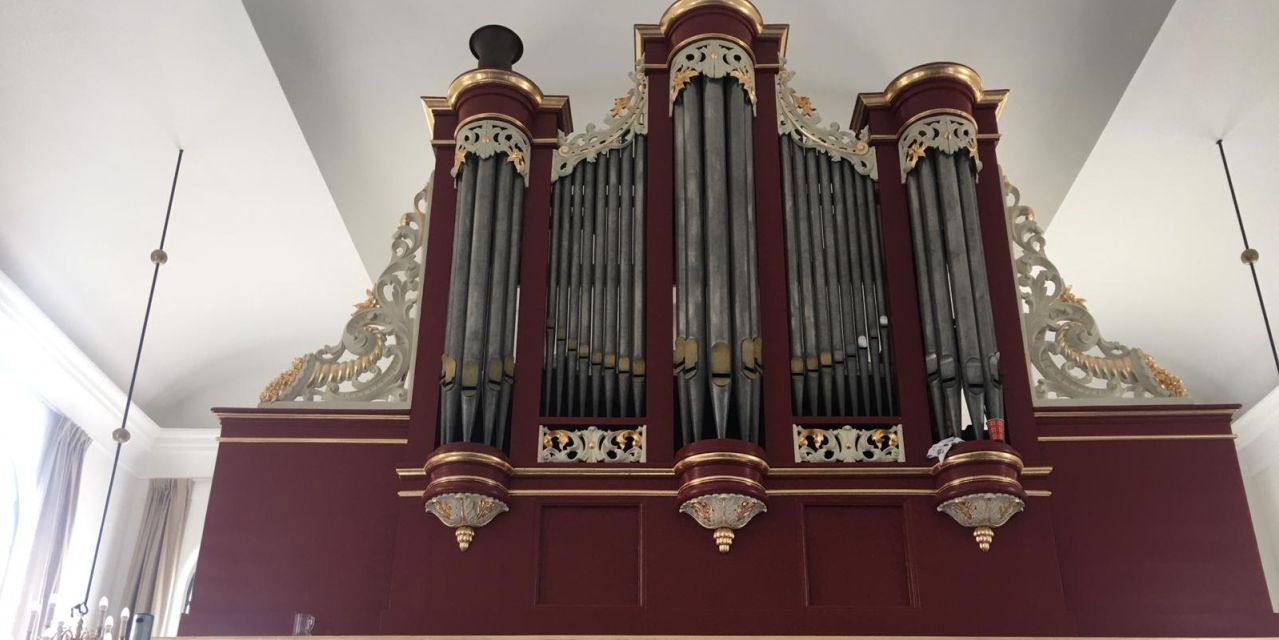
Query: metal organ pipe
595	292
959	338
717	304
477	367
840	360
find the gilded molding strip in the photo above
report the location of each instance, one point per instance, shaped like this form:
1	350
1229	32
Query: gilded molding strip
713	58
662	493
1117	438
729	456
948	133
627	119
797	118
591	445
849	444
487	137
373	360
318	416
466	456
265	440
959	482
1163	413
775	472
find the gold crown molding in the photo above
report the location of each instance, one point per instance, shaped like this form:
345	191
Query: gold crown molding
961	73
723	478
959	482
266	440
775	472
1001	457
465	478
477	77
465	456
1141	437
681	7
722	456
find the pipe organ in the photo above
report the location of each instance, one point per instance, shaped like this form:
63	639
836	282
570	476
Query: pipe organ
555	413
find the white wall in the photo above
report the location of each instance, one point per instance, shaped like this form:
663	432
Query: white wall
1258	444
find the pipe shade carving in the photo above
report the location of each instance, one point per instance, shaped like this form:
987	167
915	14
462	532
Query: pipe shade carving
1063	342
373	362
478	364
960	355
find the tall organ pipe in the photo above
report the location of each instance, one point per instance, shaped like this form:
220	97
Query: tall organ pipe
639	368
947	230
716	263
477	364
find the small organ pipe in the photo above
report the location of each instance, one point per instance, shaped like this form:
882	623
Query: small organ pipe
639	368
808	310
601	278
583	365
820	298
865	209
793	297
626	284
881	314
613	227
553	300
574	294
852	200
836	404
848	326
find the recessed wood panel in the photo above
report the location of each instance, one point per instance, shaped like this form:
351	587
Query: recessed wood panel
855	556
589	555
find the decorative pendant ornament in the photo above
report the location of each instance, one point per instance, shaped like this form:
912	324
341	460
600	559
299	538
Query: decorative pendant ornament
723	512
465	512
983	513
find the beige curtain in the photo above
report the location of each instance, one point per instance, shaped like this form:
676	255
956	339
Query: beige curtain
154	568
59	488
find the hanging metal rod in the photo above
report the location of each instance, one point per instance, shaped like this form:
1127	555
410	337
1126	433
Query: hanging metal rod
121	435
1249	256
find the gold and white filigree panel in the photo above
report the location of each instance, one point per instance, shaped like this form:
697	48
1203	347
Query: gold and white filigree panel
373	361
627	119
591	444
798	118
1067	353
713	58
947	133
849	444
486	138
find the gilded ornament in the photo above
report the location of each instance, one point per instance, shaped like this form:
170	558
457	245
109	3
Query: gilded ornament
488	136
369	302
627	119
949	132
713	58
592	444
1069	297
848	444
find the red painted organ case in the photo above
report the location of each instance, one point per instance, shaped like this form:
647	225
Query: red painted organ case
597	442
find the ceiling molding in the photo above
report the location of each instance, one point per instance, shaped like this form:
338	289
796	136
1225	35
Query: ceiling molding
57	370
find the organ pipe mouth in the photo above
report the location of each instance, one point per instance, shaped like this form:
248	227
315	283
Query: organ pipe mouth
496	47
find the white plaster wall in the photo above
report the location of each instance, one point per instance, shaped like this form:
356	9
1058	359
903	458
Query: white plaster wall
1258	444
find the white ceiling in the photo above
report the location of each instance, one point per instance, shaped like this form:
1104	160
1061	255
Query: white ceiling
288	107
352	73
97	99
1148	234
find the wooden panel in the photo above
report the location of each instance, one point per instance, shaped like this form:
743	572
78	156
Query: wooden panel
855	556
589	555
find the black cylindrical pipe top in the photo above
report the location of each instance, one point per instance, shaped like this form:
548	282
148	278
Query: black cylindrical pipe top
496	47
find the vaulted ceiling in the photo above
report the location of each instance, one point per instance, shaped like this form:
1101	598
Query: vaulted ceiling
305	140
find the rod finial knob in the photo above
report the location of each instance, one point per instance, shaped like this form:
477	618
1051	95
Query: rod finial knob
1250	256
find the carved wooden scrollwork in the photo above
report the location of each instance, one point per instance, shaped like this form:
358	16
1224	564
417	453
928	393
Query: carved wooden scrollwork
373	360
1063	341
849	444
713	58
797	118
484	138
947	133
627	119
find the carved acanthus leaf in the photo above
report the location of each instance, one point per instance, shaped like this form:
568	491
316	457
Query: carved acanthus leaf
849	444
591	444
